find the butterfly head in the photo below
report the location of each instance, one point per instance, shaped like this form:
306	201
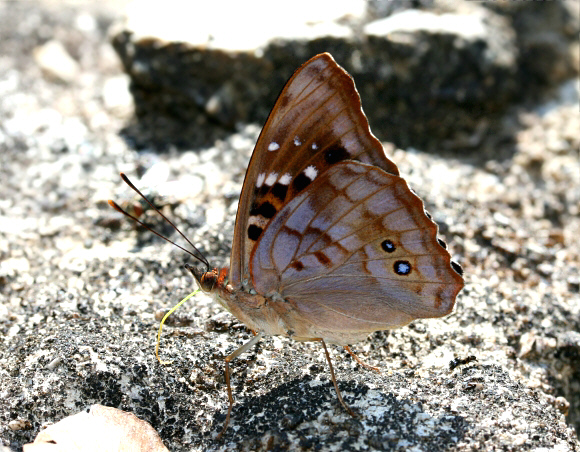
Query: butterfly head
206	279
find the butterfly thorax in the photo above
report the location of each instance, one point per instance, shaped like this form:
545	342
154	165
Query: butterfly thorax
257	312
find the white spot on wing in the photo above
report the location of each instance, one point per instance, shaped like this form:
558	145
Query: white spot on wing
257	220
314	146
285	179
271	179
260	180
311	172
297	141
273	146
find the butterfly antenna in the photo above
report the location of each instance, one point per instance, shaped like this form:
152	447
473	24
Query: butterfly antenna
199	256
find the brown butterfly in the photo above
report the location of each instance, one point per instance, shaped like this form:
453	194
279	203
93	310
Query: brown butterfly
330	244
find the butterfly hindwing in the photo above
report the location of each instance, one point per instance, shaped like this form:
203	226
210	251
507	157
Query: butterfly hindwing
355	252
316	122
326	224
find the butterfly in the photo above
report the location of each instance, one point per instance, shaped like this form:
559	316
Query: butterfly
330	243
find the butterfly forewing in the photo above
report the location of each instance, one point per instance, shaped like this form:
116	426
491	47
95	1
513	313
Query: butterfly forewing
355	252
317	122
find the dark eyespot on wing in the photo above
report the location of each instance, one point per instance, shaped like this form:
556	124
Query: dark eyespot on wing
402	268
457	268
388	246
262	191
335	154
265	209
254	232
301	182
279	191
297	265
283	100
322	258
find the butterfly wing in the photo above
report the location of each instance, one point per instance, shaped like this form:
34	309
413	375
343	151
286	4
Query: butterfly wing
316	122
354	253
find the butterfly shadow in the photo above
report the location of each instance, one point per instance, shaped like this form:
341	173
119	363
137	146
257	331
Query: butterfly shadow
305	412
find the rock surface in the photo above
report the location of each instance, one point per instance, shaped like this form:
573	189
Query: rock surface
82	290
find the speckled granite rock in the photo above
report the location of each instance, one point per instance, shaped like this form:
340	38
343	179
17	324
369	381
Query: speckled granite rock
81	289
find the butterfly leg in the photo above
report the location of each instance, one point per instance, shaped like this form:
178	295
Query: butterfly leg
344	405
229	358
358	360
